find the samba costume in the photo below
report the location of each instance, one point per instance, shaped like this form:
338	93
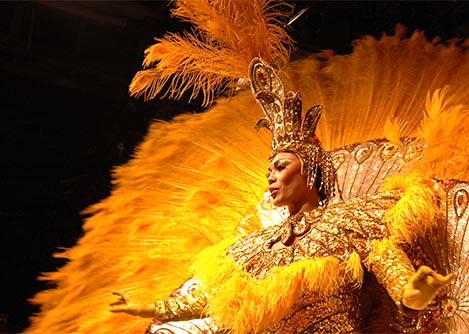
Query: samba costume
311	285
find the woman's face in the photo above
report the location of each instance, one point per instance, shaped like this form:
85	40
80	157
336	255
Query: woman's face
287	185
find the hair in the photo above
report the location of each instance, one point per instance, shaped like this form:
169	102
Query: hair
319	188
318	184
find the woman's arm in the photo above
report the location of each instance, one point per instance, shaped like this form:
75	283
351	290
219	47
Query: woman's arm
184	306
422	287
407	287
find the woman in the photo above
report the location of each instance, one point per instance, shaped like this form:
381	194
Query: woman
304	275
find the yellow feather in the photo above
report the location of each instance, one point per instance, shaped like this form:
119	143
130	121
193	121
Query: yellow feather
393	131
230	34
242	303
354	268
193	181
171	201
382	79
416	211
445	130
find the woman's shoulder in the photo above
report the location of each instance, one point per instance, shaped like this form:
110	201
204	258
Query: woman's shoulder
252	240
366	206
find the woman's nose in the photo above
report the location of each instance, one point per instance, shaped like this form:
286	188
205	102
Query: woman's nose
271	178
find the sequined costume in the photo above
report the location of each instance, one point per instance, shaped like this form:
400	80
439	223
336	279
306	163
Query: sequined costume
321	255
337	231
198	180
354	226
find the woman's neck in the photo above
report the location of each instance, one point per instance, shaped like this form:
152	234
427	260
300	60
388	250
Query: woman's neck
303	207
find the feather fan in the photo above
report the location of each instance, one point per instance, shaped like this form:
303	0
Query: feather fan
197	179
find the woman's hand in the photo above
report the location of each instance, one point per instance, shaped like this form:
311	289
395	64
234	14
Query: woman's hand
124	305
422	287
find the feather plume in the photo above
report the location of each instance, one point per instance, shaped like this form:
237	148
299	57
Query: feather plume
393	131
245	304
445	130
175	198
227	35
382	79
197	179
416	212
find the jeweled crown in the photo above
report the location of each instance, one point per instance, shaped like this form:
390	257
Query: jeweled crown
291	132
282	110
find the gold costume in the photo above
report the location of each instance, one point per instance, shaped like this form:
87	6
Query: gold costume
189	204
181	307
337	232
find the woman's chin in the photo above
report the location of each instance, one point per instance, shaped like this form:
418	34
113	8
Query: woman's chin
277	202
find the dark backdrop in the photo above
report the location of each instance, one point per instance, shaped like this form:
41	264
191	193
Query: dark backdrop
66	118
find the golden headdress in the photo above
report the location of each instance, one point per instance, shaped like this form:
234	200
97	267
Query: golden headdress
163	211
291	132
210	60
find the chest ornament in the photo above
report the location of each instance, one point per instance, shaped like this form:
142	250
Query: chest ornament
292	228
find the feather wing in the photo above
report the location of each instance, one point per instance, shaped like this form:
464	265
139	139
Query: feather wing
447	249
198	179
362	167
192	182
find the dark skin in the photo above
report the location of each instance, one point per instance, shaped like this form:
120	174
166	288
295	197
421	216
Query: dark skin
288	187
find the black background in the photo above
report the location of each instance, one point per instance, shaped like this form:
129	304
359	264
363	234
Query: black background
66	118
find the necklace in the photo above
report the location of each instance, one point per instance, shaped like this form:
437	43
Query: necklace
291	229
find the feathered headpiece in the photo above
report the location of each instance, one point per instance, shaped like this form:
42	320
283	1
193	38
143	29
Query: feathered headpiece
291	132
227	35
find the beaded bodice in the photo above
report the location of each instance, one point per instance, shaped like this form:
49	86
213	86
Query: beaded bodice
335	231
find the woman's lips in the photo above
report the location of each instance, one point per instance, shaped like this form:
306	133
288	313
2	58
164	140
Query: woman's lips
273	193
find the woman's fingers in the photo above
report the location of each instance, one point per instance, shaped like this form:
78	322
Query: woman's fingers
412	293
437	280
119	294
118	310
120	301
423	272
432	277
447	278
